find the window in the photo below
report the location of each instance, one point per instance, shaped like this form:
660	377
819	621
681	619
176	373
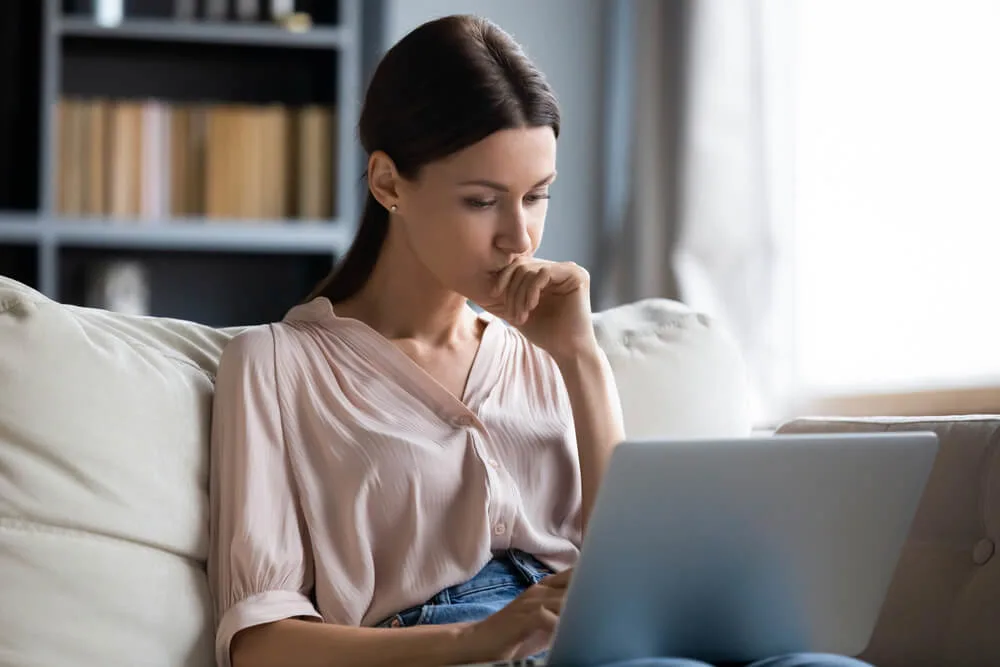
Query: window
897	226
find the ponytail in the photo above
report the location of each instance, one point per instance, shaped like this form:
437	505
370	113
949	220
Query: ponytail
351	275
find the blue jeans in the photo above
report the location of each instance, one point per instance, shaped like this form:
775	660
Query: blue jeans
510	574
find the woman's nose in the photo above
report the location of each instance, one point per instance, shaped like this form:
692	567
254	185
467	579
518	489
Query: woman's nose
514	237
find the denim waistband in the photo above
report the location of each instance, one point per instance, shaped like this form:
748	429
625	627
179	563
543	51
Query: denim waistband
502	579
511	566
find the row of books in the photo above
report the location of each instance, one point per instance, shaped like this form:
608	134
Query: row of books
114	11
152	160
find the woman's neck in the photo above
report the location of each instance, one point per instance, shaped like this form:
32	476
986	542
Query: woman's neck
402	299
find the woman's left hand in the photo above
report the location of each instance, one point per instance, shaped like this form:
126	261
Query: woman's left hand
549	302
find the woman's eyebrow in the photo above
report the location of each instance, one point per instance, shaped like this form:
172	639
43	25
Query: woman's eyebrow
503	188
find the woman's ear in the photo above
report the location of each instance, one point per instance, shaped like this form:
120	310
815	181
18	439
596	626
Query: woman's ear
383	179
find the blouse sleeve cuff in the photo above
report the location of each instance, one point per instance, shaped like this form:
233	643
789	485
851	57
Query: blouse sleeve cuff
258	609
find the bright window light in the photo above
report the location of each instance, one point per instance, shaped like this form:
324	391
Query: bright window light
897	194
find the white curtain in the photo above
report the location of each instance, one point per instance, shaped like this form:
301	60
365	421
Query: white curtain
708	220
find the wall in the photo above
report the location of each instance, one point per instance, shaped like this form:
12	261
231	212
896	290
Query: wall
565	39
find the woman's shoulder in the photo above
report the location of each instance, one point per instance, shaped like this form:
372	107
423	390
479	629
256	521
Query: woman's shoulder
251	353
265	341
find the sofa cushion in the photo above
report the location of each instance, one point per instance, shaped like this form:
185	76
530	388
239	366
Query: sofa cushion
943	606
103	476
104	423
679	372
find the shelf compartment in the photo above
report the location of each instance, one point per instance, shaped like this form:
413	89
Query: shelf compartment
214	288
20	262
320	12
131	68
20	104
319	238
159	160
206	32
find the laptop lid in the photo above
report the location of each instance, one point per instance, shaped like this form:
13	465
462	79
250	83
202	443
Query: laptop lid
737	550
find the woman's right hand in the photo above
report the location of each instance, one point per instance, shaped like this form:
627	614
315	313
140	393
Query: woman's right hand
521	629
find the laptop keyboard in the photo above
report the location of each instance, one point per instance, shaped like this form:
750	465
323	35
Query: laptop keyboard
518	662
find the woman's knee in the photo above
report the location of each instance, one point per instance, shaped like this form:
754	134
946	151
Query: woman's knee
810	660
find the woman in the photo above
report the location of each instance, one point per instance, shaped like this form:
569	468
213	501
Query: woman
396	478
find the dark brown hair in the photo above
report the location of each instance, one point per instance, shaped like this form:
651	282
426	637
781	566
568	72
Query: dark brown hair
446	85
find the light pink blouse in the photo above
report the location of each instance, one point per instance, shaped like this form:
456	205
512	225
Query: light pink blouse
347	484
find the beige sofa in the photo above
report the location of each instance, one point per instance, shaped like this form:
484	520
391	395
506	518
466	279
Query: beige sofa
103	474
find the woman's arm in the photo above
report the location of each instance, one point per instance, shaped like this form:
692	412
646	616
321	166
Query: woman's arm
522	628
299	643
597	417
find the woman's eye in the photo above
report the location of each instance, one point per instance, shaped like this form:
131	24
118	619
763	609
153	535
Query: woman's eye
480	203
473	202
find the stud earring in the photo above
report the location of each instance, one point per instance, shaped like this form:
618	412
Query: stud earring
393	208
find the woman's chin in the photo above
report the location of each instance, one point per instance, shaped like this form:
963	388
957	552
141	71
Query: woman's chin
477	294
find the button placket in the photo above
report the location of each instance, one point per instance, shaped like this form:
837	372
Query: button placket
484	455
500	511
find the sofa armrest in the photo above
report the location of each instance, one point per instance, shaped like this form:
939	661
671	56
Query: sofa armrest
943	606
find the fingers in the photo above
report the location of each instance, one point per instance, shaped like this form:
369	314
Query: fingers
524	627
519	288
548	593
546	619
535	633
505	286
541	615
554	604
530	292
514	301
560	580
526	293
503	278
535	296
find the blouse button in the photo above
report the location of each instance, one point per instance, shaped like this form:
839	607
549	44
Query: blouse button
494	464
500	529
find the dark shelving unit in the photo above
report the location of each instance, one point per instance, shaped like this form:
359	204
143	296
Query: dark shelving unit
19	259
216	269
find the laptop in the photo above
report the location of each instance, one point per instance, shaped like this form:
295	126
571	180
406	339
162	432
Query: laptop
737	550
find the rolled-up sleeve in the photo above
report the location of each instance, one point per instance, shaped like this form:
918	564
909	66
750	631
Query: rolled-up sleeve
260	567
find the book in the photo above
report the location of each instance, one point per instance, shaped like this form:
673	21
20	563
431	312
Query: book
247	10
153	161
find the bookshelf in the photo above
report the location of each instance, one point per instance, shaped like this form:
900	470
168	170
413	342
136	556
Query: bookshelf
217	155
322	38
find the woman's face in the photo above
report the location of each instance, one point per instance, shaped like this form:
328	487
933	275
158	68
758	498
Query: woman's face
468	215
